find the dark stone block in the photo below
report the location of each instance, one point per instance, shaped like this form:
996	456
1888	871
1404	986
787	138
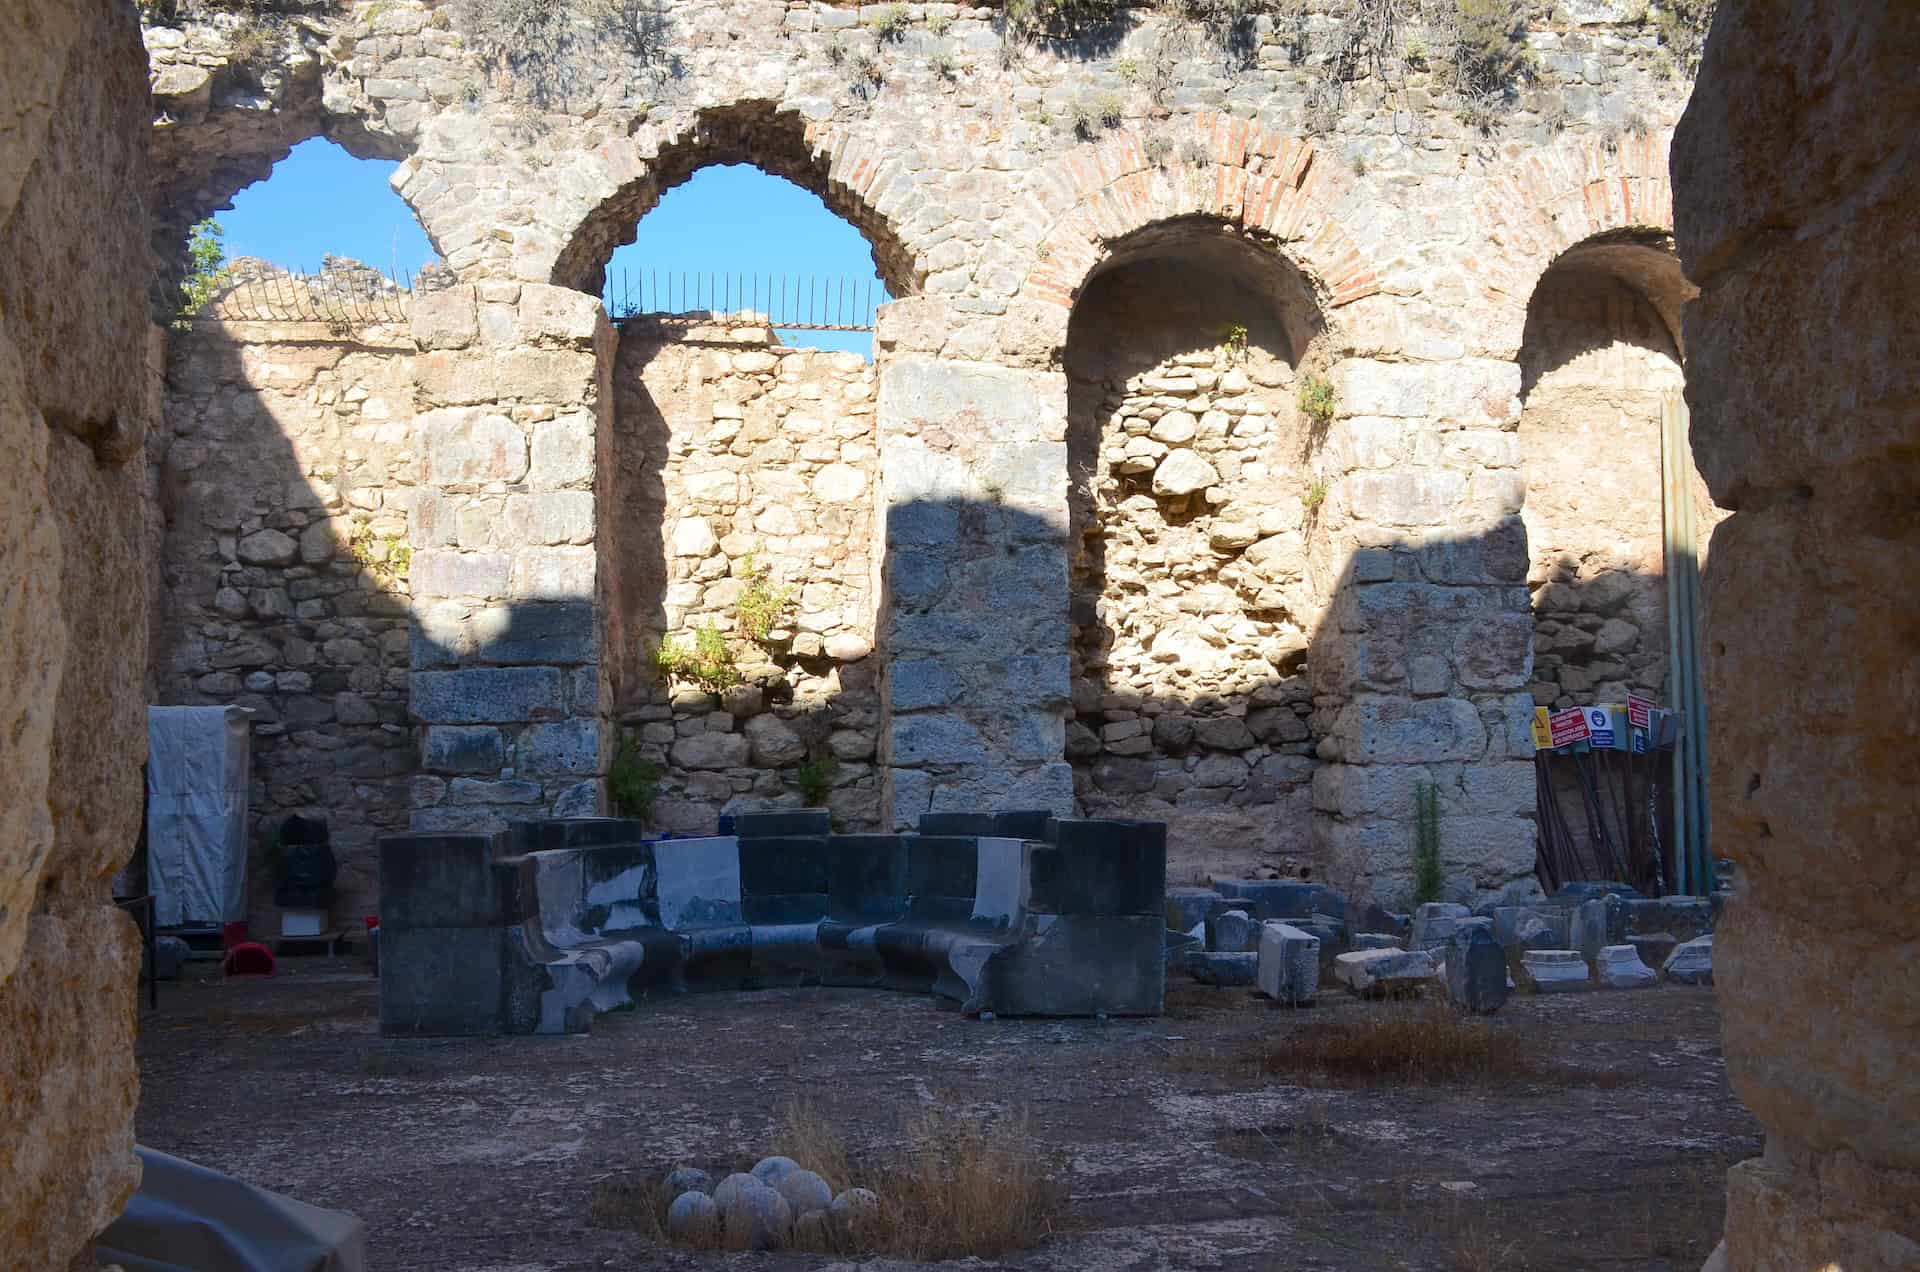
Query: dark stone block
1371	916
1082	965
775	865
1681	917
439	881
1188	908
782	822
1102	867
778	908
1588	889
950	824
1276	898
867	877
1476	971
1223	969
942	866
538	835
1022	823
440	981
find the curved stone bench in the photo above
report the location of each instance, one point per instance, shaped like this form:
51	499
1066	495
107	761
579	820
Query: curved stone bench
540	927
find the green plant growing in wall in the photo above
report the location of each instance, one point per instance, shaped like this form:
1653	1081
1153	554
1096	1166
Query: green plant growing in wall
939	24
1683	26
944	65
1314	495
1233	339
761	604
386	557
1426	843
815	780
890	23
1317	399
1158	149
706	662
633	781
206	272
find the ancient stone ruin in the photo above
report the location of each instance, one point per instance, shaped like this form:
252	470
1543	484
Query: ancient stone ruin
1263	427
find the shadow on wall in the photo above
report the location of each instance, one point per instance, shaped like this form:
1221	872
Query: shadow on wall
282	474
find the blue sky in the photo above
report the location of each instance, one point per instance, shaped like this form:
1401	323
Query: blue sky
732	220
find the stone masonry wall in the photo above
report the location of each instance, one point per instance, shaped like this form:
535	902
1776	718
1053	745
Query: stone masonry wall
76	371
1190	600
735	458
285	473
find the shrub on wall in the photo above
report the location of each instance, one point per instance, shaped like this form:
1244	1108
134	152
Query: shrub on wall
206	272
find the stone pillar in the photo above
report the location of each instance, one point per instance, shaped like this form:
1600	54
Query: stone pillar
1796	179
973	593
1421	661
507	678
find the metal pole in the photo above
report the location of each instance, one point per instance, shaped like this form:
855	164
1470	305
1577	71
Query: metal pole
1676	661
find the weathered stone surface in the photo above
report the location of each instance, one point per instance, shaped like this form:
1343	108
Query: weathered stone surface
1289	967
1233	932
1225	970
1370	973
1476	971
1619	967
693	1218
1554	971
1691	962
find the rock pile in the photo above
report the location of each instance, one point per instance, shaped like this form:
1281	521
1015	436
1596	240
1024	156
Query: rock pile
775	1205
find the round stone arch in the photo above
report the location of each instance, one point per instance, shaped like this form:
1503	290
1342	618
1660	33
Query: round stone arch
1258	184
850	177
1582	198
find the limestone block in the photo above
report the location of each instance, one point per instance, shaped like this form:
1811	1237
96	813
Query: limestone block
463	749
774	742
1224	970
935	739
551	518
1691	962
486	695
1383	730
1434	924
268	547
1619	967
444	318
438	572
567	747
559	316
562	451
1289	964
1554	971
553	574
69	1083
1182	472
1372	973
1476	970
712	751
466	447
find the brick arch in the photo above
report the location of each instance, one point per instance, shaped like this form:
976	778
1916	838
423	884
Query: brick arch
1272	186
852	177
1534	210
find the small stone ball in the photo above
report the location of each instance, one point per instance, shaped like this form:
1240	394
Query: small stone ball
813	1231
693	1218
760	1219
804	1191
853	1206
768	1170
729	1190
686	1179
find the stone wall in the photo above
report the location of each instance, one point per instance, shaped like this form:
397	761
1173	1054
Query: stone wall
75	403
1190	596
285	472
741	464
1804	397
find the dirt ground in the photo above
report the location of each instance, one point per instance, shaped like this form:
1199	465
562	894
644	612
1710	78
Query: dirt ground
486	1155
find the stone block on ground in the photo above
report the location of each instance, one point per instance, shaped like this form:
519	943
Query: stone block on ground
1275	898
1691	962
1681	917
1554	971
1598	923
1371	916
1531	927
1375	941
1373	973
1233	932
1654	946
1589	889
1288	970
1210	968
1434	923
1179	947
1476	971
1619	967
1189	907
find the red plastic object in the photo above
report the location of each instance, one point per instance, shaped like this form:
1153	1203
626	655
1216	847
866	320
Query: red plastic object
372	921
248	958
233	934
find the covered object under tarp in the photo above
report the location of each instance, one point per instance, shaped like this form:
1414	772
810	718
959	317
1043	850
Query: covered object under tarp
186	1218
197	814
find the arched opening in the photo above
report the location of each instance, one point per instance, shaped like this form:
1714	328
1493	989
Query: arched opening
1188	509
1601	348
743	470
285	462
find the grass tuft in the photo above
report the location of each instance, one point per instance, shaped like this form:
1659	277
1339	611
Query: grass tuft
1414	1044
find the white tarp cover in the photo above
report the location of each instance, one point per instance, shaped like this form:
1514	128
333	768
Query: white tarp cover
187	1218
197	814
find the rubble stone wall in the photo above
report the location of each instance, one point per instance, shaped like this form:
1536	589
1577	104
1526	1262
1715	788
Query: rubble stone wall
285	472
746	468
76	375
1804	423
1191	604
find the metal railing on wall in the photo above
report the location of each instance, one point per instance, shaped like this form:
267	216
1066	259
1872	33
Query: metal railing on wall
352	297
790	302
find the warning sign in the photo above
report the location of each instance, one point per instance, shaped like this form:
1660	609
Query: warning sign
1639	711
1568	727
1542	731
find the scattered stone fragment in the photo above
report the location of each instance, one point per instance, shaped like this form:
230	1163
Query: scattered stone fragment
1434	924
1619	967
730	1187
804	1191
854	1206
1554	971
686	1179
1233	932
1476	971
1691	962
1288	968
759	1219
1372	973
768	1170
1597	924
1211	968
693	1218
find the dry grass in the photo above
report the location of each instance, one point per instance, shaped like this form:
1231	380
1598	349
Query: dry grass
1414	1043
955	1186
